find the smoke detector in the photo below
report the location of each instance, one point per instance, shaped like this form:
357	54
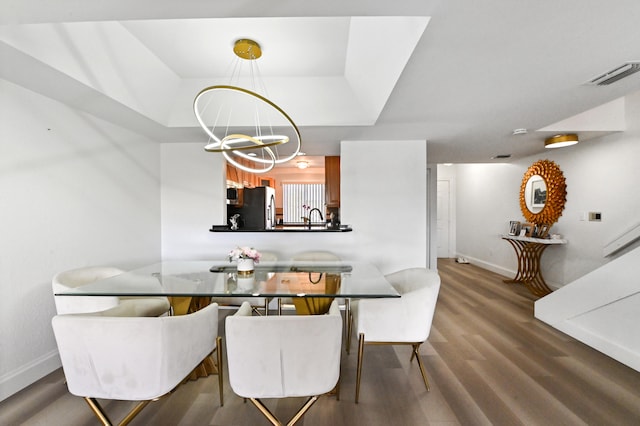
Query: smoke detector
615	74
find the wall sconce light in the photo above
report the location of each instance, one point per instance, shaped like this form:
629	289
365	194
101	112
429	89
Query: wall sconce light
302	164
560	141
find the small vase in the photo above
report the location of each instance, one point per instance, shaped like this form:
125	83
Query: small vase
245	283
245	266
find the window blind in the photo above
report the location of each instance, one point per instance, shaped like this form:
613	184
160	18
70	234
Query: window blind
295	195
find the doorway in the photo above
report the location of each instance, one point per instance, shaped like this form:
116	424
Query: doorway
444	221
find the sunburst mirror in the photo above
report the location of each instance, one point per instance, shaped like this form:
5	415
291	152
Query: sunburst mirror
543	193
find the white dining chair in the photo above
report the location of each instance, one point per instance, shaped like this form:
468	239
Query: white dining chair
283	356
398	321
108	356
67	280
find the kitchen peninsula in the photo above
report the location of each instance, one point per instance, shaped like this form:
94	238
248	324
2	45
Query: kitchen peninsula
285	228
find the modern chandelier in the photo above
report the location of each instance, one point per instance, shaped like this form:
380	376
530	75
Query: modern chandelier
243	124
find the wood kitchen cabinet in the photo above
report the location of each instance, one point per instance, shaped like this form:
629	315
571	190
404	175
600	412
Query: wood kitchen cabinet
246	179
332	181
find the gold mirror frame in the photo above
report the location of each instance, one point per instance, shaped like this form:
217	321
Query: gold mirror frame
556	193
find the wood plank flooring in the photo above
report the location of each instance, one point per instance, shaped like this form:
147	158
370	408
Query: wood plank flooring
488	360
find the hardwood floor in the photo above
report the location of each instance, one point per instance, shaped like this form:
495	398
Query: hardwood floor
488	360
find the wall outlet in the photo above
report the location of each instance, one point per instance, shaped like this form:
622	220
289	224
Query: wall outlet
595	217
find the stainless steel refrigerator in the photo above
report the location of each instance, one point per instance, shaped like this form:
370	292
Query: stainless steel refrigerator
258	210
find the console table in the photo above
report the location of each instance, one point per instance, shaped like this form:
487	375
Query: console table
529	251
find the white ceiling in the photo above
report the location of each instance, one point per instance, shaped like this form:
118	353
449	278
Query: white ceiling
460	75
292	47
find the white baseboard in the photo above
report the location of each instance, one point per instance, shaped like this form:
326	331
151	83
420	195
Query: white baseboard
601	343
489	266
509	273
14	381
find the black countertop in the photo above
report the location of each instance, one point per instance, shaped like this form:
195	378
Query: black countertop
284	228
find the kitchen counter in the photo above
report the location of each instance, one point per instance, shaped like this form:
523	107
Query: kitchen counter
285	228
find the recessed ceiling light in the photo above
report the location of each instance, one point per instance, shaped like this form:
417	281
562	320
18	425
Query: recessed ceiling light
301	153
302	164
519	132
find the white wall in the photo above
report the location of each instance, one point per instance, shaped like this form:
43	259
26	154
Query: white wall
193	198
74	191
192	201
384	197
602	175
486	197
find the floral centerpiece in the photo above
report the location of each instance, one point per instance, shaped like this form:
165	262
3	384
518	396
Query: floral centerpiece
246	258
244	253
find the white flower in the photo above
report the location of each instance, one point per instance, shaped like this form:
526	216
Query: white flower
244	253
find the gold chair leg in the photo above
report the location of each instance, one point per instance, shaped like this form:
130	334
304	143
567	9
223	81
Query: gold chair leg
415	353
133	413
302	410
256	309
359	367
274	420
102	416
349	331
220	369
98	411
348	323
265	412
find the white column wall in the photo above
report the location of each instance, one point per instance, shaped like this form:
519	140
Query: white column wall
384	197
74	191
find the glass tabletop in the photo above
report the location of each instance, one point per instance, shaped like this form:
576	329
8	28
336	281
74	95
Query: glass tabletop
351	279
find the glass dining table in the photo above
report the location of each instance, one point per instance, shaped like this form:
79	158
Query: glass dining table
312	284
191	285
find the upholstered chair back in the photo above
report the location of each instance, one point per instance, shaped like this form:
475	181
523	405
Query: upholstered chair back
132	358
67	280
405	319
283	356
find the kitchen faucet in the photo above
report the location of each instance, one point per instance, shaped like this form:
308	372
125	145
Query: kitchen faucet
319	212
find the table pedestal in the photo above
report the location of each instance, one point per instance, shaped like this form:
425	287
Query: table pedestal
529	251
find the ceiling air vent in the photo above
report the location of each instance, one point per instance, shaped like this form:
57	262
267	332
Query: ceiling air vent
616	74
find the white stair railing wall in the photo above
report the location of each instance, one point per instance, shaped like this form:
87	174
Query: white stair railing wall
600	309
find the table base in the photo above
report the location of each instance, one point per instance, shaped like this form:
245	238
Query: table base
529	274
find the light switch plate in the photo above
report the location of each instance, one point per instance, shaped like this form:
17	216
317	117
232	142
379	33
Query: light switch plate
595	217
